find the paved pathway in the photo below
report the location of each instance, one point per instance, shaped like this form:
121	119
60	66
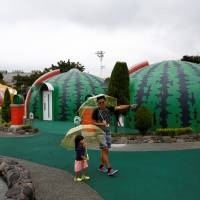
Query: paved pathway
54	184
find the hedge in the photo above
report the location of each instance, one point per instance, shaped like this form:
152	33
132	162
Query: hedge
173	131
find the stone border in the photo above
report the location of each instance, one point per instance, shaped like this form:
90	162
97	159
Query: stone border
138	139
18	180
175	146
16	132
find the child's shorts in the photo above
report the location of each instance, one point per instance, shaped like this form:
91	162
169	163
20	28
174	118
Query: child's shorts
80	165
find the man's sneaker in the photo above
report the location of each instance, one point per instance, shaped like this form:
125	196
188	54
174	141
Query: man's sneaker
77	179
85	178
112	171
102	169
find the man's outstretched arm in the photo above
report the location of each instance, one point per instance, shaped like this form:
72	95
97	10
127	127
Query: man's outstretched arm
126	107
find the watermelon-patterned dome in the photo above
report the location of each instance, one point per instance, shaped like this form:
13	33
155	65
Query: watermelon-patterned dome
69	91
171	91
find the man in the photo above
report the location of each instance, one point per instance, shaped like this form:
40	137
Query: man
101	117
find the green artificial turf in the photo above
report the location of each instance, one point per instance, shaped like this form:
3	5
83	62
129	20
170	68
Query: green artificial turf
164	175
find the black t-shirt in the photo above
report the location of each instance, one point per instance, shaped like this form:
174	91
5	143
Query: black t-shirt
80	151
103	114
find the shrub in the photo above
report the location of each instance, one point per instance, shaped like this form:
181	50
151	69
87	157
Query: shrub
183	131
173	131
165	131
6	116
188	130
26	127
143	120
6	124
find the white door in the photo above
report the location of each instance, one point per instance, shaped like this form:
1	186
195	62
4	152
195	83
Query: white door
47	105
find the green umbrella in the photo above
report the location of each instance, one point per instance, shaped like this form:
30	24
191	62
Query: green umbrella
91	133
92	102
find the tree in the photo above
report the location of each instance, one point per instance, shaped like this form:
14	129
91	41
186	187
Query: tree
22	83
118	86
1	79
193	59
19	82
66	66
119	83
6	116
143	120
1	76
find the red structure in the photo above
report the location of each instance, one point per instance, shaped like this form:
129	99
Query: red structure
17	114
138	66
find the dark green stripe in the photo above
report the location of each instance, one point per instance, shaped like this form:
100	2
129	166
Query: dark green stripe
143	84
91	83
63	98
164	81
184	95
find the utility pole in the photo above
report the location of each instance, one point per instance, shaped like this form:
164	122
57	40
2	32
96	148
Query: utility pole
100	54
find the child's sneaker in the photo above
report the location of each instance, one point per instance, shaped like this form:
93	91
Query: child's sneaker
111	171
85	178
77	179
102	169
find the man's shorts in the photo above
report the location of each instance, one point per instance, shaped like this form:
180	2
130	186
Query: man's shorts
106	140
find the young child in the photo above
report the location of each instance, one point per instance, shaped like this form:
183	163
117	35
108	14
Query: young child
80	163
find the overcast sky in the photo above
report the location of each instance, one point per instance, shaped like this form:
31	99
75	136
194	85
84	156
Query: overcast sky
37	33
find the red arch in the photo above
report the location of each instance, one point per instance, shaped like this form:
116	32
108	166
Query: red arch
138	66
38	81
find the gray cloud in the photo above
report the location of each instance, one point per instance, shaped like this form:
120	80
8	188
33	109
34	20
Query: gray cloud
105	13
43	31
